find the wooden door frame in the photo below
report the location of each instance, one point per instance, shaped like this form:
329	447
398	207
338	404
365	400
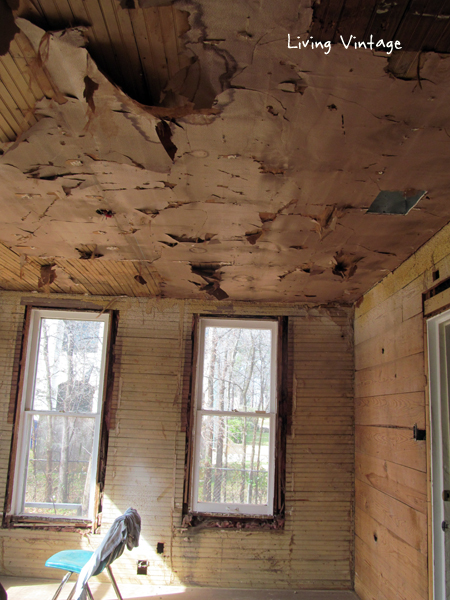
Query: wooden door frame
437	381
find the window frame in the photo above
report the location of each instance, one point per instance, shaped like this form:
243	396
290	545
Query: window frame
14	501
235	509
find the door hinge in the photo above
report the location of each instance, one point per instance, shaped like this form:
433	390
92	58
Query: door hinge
444	526
446	495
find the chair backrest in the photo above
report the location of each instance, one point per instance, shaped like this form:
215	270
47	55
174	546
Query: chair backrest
125	531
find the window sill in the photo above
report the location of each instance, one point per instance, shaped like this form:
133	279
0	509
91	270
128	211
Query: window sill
217	521
46	523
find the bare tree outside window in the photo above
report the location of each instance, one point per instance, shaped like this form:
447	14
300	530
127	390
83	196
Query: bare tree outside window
235	421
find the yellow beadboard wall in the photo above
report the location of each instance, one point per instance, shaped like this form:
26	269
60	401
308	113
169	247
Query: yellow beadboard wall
391	468
146	454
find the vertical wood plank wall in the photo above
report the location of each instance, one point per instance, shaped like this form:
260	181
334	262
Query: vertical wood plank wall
146	455
391	501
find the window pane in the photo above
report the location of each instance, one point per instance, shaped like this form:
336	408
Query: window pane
68	365
234	460
59	466
236	369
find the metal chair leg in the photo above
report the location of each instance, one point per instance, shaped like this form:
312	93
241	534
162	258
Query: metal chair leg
89	592
113	581
72	592
62	584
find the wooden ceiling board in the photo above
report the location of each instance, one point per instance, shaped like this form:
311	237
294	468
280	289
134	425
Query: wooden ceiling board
129	48
443	34
96	30
181	25
104	44
439	26
386	19
9	280
90	277
11	112
108	278
6	132
155	42
58	286
111	276
138	48
124	60
129	271
418	24
22	83
125	278
17	86
146	59
96	278
86	276
17	272
108	274
26	60
103	34
414	28
327	15
169	37
32	8
55	12
354	18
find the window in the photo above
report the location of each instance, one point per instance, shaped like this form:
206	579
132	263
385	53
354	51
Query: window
60	415
235	417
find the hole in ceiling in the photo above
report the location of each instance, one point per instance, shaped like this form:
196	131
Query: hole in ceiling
164	134
105	212
207	270
211	274
293	86
395	202
253	236
141	79
344	265
88	253
185	238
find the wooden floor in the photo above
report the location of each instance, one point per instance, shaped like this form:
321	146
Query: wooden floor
43	589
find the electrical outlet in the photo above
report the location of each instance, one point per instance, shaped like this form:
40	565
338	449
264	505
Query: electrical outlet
142	566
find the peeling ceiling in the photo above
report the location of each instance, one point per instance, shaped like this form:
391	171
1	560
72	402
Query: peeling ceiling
227	164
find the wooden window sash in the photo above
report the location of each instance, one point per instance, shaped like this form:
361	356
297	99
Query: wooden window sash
105	416
282	429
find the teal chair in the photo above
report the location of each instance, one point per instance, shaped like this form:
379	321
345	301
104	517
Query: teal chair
125	531
72	561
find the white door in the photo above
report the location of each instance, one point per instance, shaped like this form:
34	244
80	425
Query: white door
439	375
